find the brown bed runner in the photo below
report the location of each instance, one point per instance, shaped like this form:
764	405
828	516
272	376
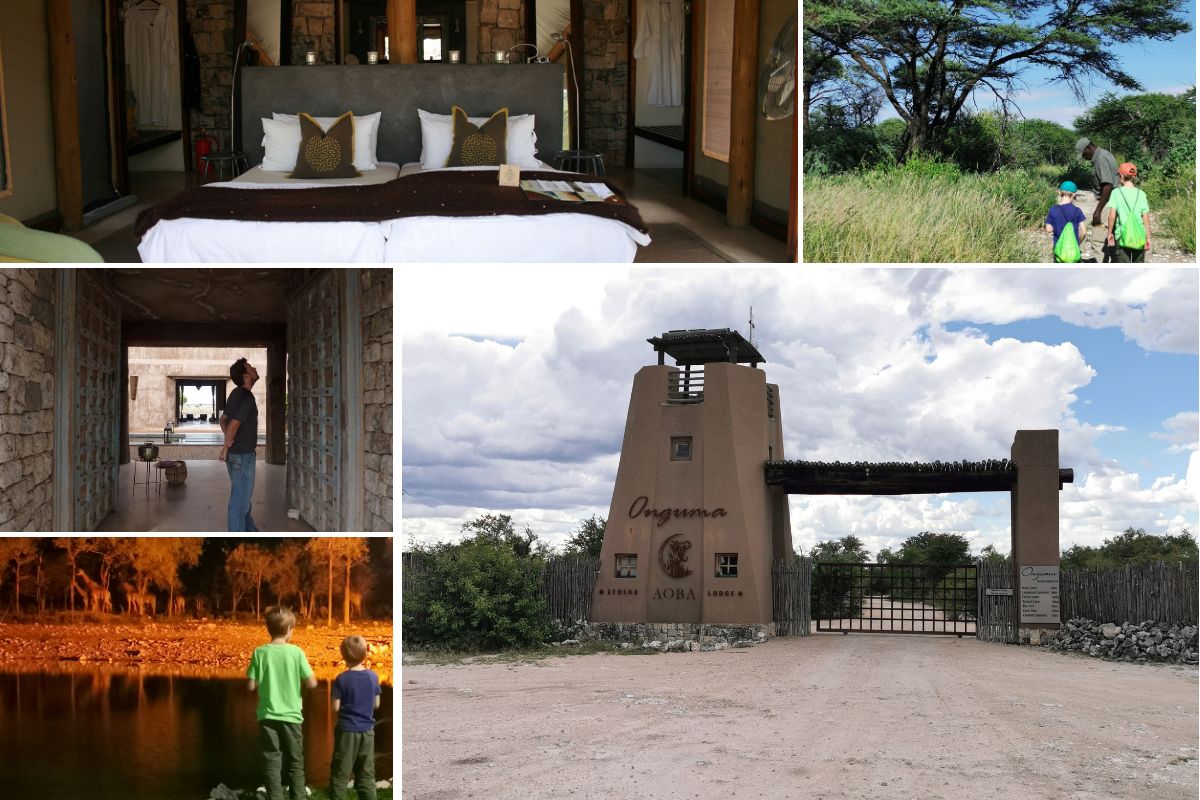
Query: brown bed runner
445	194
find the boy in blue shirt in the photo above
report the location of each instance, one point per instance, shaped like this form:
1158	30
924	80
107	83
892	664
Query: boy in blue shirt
278	670
355	698
1063	214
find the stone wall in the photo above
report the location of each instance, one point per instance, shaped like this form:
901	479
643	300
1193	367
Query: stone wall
675	637
212	30
313	28
157	367
376	286
604	78
501	25
26	399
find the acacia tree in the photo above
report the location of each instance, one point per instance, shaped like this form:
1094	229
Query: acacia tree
930	56
588	538
350	551
73	546
284	572
19	551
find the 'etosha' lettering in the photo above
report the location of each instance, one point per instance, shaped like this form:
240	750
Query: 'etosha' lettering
640	508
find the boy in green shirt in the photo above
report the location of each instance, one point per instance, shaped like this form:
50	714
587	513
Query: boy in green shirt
277	671
1128	209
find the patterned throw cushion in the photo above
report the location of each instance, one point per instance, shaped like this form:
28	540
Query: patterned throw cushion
481	146
326	154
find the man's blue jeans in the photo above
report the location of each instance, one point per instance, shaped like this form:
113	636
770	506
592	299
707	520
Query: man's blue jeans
241	478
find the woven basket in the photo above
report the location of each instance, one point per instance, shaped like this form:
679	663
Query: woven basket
175	471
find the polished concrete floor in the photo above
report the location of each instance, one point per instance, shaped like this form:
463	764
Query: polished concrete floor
690	231
200	503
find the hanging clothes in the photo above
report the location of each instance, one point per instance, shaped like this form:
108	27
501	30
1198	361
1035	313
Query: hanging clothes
151	55
660	42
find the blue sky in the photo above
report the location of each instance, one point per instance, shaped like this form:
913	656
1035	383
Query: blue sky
514	399
1168	67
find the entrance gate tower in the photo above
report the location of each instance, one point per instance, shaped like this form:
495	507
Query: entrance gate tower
693	527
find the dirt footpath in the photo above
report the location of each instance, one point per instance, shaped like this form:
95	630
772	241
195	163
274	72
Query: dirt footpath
1163	249
829	716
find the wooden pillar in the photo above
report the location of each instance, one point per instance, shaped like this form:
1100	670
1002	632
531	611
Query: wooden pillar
402	30
276	403
743	114
793	238
1035	529
64	91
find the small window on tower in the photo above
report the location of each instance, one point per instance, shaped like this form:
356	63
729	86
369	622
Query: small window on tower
681	448
626	565
727	565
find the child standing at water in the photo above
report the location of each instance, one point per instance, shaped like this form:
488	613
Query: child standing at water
277	671
355	698
1065	222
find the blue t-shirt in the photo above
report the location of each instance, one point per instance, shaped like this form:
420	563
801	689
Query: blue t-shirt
357	689
1060	216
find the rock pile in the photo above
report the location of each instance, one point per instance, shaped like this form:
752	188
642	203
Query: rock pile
1147	641
670	637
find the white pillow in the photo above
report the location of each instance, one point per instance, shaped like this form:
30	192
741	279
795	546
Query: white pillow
437	138
366	136
281	141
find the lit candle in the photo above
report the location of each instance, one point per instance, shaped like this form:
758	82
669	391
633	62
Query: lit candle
500	54
455	56
372	56
310	57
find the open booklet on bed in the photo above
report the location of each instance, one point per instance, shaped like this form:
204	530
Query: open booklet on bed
569	191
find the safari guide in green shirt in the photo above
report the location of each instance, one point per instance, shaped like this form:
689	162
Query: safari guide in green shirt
1104	179
278	670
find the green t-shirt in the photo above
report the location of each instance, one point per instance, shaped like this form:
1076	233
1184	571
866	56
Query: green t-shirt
279	669
1132	200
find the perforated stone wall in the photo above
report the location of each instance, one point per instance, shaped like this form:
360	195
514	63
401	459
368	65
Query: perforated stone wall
376	286
26	399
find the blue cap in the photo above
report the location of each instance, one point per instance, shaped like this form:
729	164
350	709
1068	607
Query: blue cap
1068	186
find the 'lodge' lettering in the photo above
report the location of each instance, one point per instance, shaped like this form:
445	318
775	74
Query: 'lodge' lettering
639	508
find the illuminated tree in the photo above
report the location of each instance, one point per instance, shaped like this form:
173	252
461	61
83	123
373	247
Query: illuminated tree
73	546
248	565
284	572
344	551
19	551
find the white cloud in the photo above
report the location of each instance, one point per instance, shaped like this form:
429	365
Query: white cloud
872	364
1182	431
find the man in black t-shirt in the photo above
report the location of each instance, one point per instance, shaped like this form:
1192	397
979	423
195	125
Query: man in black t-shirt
239	423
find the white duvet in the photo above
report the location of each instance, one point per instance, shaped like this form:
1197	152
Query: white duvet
546	238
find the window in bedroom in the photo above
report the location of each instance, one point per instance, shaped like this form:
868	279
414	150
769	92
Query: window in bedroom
718	78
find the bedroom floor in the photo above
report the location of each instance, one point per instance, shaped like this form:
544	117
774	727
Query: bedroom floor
684	231
200	503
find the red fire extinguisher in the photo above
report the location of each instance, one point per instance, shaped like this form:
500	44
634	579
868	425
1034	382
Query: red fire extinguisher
204	146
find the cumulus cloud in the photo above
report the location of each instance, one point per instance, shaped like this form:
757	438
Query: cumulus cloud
524	413
1181	431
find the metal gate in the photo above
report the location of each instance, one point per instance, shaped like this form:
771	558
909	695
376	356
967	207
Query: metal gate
895	598
314	405
97	408
996	611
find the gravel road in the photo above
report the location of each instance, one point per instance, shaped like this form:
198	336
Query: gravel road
829	716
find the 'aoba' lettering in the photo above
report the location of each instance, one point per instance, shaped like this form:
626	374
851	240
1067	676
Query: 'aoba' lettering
671	593
640	508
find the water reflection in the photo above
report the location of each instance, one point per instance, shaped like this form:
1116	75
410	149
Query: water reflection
107	734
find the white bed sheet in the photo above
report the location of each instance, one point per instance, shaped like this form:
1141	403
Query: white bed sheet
545	238
565	237
190	239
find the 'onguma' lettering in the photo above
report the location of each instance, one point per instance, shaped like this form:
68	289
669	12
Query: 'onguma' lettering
641	508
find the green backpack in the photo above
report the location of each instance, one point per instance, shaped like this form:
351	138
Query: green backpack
1066	249
1133	234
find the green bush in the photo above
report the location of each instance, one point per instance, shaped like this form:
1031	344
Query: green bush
483	593
1179	218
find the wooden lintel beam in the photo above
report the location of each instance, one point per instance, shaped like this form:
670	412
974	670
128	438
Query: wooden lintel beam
64	91
893	483
743	114
197	334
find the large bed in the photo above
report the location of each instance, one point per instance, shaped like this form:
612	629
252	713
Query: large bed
397	91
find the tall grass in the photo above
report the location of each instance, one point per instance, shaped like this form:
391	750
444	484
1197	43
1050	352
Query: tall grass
923	212
1179	218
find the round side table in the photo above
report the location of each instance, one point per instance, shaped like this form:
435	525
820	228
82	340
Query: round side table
580	161
235	161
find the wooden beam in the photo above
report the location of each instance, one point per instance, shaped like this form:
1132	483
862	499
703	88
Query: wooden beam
798	479
743	114
402	30
195	334
64	90
276	451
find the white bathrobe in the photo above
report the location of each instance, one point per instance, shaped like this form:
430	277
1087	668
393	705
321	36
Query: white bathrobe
660	43
152	54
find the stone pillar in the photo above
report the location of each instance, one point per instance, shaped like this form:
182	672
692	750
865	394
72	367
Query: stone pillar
377	398
604	78
276	403
65	393
501	25
1035	531
123	442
